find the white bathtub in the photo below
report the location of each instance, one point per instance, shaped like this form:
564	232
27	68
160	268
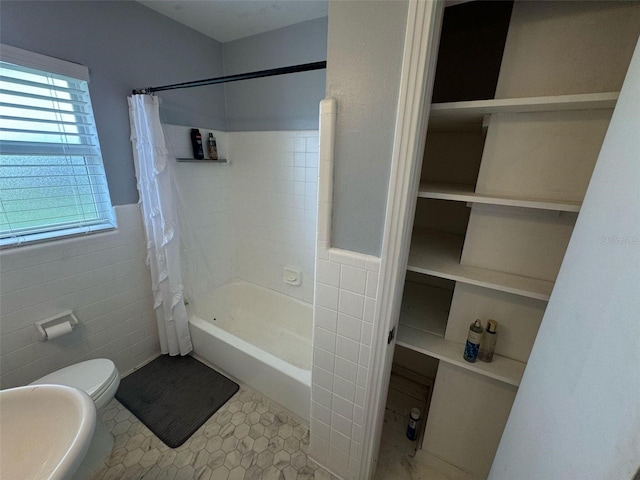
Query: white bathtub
259	336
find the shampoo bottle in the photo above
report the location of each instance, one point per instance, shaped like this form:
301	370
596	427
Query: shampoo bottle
212	147
473	341
488	344
196	143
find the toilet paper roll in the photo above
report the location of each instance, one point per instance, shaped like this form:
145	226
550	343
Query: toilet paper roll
58	330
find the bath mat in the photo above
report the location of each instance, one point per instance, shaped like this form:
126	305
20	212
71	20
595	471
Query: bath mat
174	396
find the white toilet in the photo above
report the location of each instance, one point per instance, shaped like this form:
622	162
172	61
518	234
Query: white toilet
98	378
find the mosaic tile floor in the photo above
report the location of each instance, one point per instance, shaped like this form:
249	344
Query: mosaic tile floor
249	438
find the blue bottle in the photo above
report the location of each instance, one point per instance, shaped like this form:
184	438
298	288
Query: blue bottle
473	342
412	428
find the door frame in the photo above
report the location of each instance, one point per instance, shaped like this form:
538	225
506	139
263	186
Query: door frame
422	38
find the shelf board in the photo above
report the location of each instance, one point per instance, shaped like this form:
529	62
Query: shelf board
438	254
474	110
466	193
204	160
501	368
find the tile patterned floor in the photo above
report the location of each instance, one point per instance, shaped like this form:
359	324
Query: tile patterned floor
249	438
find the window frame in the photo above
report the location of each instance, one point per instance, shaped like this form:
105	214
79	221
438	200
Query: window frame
108	221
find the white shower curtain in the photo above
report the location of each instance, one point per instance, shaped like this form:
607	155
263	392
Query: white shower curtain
155	187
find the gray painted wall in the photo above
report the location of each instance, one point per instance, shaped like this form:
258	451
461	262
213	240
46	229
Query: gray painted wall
364	57
288	102
126	46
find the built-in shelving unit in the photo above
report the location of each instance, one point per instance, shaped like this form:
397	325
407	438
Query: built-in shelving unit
440	254
500	189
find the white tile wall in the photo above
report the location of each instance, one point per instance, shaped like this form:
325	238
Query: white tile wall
251	217
274	177
342	346
204	206
102	277
346	286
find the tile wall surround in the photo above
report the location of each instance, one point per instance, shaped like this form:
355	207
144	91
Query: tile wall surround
274	178
103	278
252	217
346	285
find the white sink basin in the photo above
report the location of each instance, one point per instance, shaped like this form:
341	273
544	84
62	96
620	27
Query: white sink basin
45	431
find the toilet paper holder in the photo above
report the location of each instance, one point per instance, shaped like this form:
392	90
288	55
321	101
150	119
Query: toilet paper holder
66	316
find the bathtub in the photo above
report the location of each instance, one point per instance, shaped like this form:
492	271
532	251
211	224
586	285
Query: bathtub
259	336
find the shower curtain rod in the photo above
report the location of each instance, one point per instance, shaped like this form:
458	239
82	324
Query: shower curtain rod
234	78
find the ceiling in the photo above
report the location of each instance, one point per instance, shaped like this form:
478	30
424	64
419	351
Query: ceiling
226	20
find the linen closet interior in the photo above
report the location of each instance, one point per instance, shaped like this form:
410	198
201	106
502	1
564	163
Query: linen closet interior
523	95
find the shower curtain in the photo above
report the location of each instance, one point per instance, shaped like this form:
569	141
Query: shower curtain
156	189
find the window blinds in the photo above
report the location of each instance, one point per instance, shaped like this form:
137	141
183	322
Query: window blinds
52	180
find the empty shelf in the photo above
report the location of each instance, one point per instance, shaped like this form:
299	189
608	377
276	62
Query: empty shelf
465	193
438	254
474	110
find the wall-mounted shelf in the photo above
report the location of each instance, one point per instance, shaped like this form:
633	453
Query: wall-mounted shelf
438	254
466	193
204	160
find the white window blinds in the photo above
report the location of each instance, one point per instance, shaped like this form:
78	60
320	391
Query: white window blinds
52	180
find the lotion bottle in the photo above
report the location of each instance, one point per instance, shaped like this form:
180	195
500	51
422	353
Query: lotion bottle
473	341
212	147
488	344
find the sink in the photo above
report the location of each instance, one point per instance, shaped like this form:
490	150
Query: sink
45	431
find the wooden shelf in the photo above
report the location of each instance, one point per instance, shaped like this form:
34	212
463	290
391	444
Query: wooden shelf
474	111
501	368
466	193
438	254
204	160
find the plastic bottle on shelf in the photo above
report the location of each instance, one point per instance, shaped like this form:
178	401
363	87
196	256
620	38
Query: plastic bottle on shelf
212	147
196	144
473	341
488	344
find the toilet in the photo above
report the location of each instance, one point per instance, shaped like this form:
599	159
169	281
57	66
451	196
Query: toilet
98	378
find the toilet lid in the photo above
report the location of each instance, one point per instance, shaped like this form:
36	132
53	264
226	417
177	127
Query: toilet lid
92	376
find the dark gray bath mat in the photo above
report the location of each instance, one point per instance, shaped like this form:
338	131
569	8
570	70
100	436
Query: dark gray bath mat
174	396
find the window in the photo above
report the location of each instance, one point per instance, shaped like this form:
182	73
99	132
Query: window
52	180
